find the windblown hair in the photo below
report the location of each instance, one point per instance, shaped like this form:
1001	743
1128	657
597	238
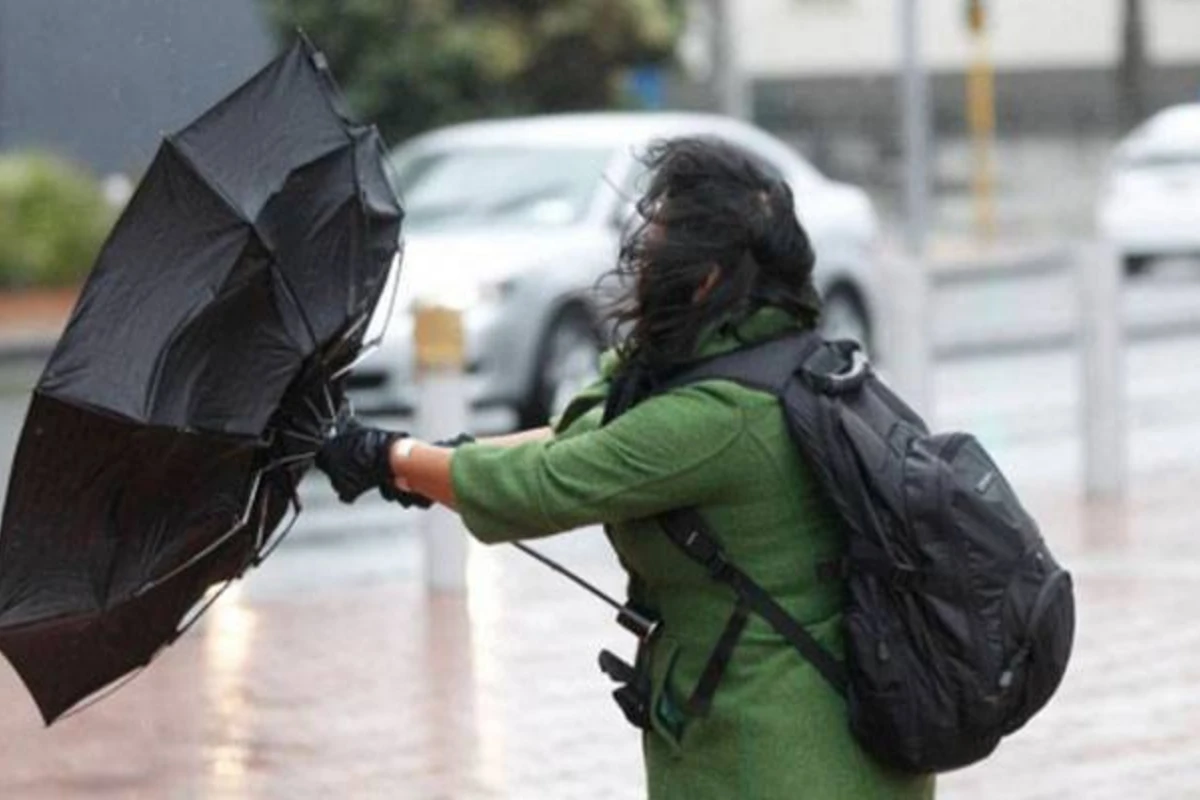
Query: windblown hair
708	204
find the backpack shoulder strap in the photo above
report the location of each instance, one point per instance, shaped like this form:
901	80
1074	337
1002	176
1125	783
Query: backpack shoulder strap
688	531
766	366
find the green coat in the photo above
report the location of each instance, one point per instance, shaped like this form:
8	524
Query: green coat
776	729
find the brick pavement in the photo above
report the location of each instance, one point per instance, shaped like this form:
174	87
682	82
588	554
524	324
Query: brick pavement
309	686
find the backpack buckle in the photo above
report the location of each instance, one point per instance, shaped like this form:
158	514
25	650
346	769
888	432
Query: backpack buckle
633	695
717	565
706	551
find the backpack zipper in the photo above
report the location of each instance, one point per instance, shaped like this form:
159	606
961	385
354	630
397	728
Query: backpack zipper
1039	608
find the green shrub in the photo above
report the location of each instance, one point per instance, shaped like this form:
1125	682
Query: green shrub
53	220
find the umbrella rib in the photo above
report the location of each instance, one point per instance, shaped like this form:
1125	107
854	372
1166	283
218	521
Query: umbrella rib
271	544
212	546
214	187
245	206
200	612
291	294
107	691
296	434
209	183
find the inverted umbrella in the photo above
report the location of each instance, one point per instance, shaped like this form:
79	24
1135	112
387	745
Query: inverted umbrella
194	380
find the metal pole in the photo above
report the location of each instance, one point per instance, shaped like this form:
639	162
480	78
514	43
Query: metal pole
1102	391
442	410
908	284
733	94
981	114
915	115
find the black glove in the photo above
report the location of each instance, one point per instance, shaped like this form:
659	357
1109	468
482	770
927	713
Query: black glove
462	438
356	459
406	499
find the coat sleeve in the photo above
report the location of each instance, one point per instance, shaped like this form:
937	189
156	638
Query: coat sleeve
665	453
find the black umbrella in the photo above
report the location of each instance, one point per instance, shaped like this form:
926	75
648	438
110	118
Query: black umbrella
196	377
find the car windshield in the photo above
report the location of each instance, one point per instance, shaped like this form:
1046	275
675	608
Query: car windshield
499	185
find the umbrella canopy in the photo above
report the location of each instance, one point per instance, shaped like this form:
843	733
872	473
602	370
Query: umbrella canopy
194	380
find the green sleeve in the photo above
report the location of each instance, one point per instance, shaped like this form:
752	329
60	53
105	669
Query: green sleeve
662	454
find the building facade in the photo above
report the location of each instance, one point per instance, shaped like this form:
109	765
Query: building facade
1056	63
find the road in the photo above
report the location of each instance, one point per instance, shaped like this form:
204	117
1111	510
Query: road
331	673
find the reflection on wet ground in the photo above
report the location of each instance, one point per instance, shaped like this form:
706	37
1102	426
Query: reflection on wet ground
330	672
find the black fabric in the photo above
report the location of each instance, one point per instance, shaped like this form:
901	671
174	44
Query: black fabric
194	381
633	695
700	701
688	531
456	441
357	459
958	623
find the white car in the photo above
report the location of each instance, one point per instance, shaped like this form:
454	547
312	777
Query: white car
1150	207
513	222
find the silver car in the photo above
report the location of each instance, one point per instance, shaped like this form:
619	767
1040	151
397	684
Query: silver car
1150	206
514	221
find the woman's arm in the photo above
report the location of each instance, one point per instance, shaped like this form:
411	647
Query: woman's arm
520	437
425	468
667	452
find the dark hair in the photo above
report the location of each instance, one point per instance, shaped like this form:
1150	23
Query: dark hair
708	203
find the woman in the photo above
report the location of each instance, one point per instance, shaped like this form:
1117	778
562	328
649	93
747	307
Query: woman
721	262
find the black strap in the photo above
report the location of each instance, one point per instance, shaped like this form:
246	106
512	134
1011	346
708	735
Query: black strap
689	532
701	700
633	695
767	366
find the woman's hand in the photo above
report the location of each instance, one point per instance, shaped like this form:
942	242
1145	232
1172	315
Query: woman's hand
356	459
359	458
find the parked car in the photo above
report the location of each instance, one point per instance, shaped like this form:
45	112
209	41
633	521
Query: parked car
514	221
1150	207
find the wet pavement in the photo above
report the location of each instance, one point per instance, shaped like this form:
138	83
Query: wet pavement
331	673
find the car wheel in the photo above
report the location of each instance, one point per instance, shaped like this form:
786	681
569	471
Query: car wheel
1137	265
843	317
568	361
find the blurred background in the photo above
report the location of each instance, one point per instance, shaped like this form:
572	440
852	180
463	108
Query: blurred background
1005	199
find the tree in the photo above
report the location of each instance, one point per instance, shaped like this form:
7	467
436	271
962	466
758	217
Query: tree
409	65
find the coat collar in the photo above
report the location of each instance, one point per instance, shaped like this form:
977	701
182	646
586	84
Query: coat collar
765	323
722	337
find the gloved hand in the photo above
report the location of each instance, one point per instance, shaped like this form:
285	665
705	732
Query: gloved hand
405	499
356	459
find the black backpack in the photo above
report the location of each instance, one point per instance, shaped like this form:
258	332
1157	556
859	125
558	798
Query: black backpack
958	621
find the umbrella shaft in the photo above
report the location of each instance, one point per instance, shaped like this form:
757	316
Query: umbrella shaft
560	569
